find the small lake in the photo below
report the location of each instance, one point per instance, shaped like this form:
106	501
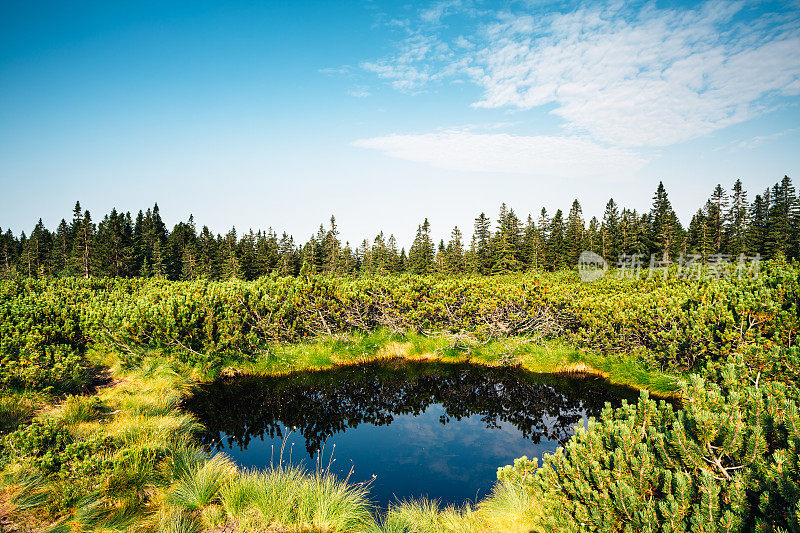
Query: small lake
421	429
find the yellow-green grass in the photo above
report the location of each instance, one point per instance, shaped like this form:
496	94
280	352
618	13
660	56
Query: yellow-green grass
164	482
548	357
17	407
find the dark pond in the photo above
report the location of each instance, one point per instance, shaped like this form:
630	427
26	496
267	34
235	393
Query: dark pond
423	429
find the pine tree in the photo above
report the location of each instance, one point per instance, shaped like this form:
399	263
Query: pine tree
482	249
333	249
61	249
395	264
380	256
782	215
575	234
716	212
231	262
529	236
665	232
541	259
506	246
288	260
82	259
555	245
609	232
454	254
592	241
421	254
364	256
757	231
736	236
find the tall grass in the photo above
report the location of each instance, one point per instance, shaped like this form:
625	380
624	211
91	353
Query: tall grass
162	481
15	409
288	496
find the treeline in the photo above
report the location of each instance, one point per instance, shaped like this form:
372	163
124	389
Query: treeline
123	246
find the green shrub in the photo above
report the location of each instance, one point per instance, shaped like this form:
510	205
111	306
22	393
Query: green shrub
677	323
727	461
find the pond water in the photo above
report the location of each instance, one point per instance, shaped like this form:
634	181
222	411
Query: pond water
415	429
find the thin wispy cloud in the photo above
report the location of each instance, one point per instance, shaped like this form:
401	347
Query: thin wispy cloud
558	156
627	76
756	141
649	78
336	71
358	92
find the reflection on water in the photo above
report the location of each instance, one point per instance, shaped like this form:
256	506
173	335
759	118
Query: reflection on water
433	429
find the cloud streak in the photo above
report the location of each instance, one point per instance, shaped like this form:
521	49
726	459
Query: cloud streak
553	156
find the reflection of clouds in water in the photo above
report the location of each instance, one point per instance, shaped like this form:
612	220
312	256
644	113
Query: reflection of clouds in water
387	419
443	448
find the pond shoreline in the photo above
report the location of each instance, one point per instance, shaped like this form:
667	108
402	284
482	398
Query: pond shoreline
553	357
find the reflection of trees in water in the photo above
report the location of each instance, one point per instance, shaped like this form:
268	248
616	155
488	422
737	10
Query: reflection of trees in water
322	403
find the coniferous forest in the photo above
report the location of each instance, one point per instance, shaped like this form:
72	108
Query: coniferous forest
729	222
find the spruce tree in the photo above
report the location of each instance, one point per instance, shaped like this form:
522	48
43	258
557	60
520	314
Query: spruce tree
454	255
782	215
506	244
288	260
541	259
380	256
61	249
757	231
333	252
665	232
716	214
231	262
736	236
528	252
592	241
555	245
482	250
83	256
395	264
574	238
609	232
421	254
364	258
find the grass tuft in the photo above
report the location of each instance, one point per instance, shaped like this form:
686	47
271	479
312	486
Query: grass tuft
199	483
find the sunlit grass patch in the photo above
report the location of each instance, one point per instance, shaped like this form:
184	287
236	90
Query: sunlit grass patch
147	430
288	496
17	408
199	483
427	516
510	508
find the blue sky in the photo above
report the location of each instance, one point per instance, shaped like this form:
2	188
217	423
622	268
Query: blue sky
259	114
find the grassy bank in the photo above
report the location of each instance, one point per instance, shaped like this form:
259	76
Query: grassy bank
547	357
125	459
